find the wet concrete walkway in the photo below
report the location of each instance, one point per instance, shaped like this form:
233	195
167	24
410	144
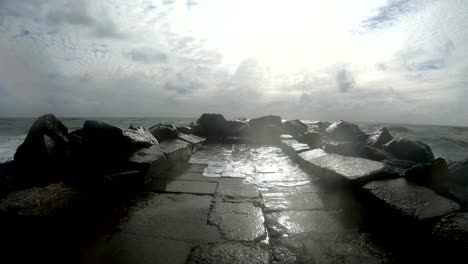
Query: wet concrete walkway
239	204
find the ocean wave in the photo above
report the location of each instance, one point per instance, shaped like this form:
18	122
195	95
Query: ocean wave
399	129
457	141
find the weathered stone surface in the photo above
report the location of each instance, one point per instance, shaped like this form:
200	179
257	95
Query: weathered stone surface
40	201
398	166
212	125
293	147
433	175
176	150
150	161
294	127
238	221
318	126
299	222
182	186
163	132
458	171
345	131
192	139
411	200
376	154
380	137
230	252
263	121
311	138
232	187
406	149
333	168
277	201
140	136
265	134
185	130
236	128
452	228
40	158
342	147
329	248
185	175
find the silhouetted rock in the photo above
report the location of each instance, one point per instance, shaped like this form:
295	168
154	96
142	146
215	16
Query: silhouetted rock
458	181
410	201
294	127
140	136
379	138
376	154
263	121
433	175
345	131
452	228
164	132
236	128
406	149
312	138
213	125
103	141
40	158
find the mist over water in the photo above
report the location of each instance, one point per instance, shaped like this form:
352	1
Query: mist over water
448	142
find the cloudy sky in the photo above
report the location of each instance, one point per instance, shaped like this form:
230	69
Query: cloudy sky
362	60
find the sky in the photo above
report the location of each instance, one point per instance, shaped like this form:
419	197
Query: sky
399	61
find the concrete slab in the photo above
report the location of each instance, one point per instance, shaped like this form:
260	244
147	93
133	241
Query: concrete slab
276	201
329	248
236	188
411	200
292	146
230	252
192	139
182	186
187	176
238	221
337	169
160	228
299	222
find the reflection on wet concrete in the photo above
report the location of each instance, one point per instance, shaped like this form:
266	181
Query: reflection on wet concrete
236	203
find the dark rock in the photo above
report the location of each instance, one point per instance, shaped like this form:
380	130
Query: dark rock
406	149
318	126
40	158
263	121
192	139
433	175
452	228
213	125
150	161
399	167
345	131
458	181
140	136
40	201
411	201
372	153
229	252
342	148
164	132
103	142
185	130
294	127
379	138
175	150
268	134
312	138
236	128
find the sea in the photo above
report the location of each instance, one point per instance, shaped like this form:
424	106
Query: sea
449	142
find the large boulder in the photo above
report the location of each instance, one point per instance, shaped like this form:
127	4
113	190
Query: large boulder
398	167
452	229
40	158
185	129
433	175
212	125
318	126
312	138
406	149
342	148
458	180
164	132
140	136
103	140
379	138
263	121
345	131
294	127
376	154
236	128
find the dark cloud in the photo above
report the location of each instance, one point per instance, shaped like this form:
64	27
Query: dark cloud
147	56
388	14
344	80
182	84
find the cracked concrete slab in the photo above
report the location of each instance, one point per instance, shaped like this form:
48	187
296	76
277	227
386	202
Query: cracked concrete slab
230	253
182	186
236	188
